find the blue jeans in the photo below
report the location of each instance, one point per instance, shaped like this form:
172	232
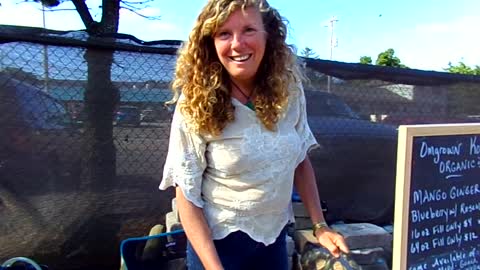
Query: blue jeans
238	251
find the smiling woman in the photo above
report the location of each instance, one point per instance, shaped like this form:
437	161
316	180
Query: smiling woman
240	45
239	140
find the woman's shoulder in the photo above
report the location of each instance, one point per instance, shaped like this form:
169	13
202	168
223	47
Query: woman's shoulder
295	92
180	120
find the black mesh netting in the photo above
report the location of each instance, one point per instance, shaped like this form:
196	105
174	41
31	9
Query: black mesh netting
84	132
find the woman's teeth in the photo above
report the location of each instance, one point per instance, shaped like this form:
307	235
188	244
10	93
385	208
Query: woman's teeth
241	58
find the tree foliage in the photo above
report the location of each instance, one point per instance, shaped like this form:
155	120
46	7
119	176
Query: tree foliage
462	68
388	58
366	60
309	53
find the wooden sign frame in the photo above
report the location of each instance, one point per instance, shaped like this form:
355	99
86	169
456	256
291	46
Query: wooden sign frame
403	180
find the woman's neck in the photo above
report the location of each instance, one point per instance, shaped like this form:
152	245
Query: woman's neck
244	87
242	95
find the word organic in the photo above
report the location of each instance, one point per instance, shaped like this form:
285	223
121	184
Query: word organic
447	157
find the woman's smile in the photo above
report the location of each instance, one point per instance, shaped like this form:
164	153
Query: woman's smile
240	44
241	58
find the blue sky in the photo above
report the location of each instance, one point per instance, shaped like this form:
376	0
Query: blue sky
425	34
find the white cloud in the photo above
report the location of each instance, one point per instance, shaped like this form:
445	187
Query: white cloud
461	25
156	30
163	26
150	11
449	41
126	14
30	14
144	29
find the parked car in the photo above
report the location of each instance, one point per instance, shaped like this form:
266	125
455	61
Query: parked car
355	164
127	116
79	116
37	141
158	114
148	115
54	206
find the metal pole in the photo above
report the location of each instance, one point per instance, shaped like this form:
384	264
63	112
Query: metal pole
332	23
45	56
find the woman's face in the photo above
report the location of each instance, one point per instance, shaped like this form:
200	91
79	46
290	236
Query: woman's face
240	44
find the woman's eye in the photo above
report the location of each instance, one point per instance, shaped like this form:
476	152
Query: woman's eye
223	35
250	31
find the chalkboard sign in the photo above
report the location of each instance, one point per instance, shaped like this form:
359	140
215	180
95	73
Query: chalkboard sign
437	201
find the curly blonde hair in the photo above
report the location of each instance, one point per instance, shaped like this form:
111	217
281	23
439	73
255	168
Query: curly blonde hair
205	83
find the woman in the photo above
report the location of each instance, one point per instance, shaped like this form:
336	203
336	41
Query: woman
239	140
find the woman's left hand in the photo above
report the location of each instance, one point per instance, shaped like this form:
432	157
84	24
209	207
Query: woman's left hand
331	240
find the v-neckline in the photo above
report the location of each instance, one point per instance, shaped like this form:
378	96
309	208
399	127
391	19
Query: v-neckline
244	104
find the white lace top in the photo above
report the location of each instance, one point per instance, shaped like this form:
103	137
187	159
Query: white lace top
242	179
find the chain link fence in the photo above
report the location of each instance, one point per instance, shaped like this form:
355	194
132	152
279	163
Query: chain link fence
84	133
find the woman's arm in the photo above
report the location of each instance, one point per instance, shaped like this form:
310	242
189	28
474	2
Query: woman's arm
197	231
306	186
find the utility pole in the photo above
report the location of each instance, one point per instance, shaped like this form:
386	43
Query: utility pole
333	43
45	56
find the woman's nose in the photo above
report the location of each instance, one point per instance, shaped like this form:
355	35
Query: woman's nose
237	40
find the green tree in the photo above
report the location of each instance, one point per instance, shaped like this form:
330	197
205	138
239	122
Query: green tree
366	60
388	58
462	68
308	53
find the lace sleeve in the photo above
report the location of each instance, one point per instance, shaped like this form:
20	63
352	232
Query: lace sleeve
303	129
185	160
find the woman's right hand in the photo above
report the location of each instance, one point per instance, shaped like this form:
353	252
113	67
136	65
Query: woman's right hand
331	240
